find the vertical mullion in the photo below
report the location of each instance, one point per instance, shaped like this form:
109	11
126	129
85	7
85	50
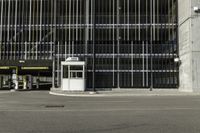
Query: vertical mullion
87	27
45	32
22	31
163	42
151	45
135	43
45	23
69	42
37	29
11	30
23	46
1	30
147	45
61	33
66	42
80	44
174	42
94	44
51	27
91	29
73	23
128	38
158	36
166	42
8	30
169	43
172	45
4	31
177	40
40	39
108	42
123	44
136	51
113	32
118	43
61	29
100	41
77	20
55	42
26	15
154	37
33	30
30	22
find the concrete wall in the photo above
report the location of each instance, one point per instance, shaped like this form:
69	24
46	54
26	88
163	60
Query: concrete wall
189	45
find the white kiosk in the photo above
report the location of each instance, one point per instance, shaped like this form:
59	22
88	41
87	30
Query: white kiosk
73	75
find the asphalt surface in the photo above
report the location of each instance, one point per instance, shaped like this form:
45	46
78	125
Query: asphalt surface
39	112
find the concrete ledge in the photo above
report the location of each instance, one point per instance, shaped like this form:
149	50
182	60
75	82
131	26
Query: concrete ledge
86	94
124	92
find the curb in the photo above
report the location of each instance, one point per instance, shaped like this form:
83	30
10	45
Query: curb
77	95
118	95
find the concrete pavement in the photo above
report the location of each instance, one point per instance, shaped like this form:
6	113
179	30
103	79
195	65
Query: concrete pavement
39	112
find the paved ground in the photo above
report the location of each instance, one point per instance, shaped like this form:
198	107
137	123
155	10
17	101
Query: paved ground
39	112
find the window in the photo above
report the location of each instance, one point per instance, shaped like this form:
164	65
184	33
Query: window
76	75
65	71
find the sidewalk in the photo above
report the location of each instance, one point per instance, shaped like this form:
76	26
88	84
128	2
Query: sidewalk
5	91
125	92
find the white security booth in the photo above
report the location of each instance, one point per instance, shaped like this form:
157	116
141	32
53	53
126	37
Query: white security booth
73	75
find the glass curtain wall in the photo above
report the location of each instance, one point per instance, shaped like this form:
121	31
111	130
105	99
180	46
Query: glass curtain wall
26	29
126	43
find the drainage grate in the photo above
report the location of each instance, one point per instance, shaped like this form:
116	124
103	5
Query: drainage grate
54	106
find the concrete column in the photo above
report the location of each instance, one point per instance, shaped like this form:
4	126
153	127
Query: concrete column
1	82
30	82
15	79
37	83
10	82
189	45
25	82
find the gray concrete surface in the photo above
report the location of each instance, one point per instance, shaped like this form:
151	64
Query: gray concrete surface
39	112
189	45
124	92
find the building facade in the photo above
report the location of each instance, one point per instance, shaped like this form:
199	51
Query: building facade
125	43
189	44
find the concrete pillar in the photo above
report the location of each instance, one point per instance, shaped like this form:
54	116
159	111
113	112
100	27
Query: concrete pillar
30	82
15	79
25	82
189	45
1	82
37	83
10	82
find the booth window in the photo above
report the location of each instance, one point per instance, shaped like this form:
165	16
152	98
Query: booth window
75	74
65	71
76	68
